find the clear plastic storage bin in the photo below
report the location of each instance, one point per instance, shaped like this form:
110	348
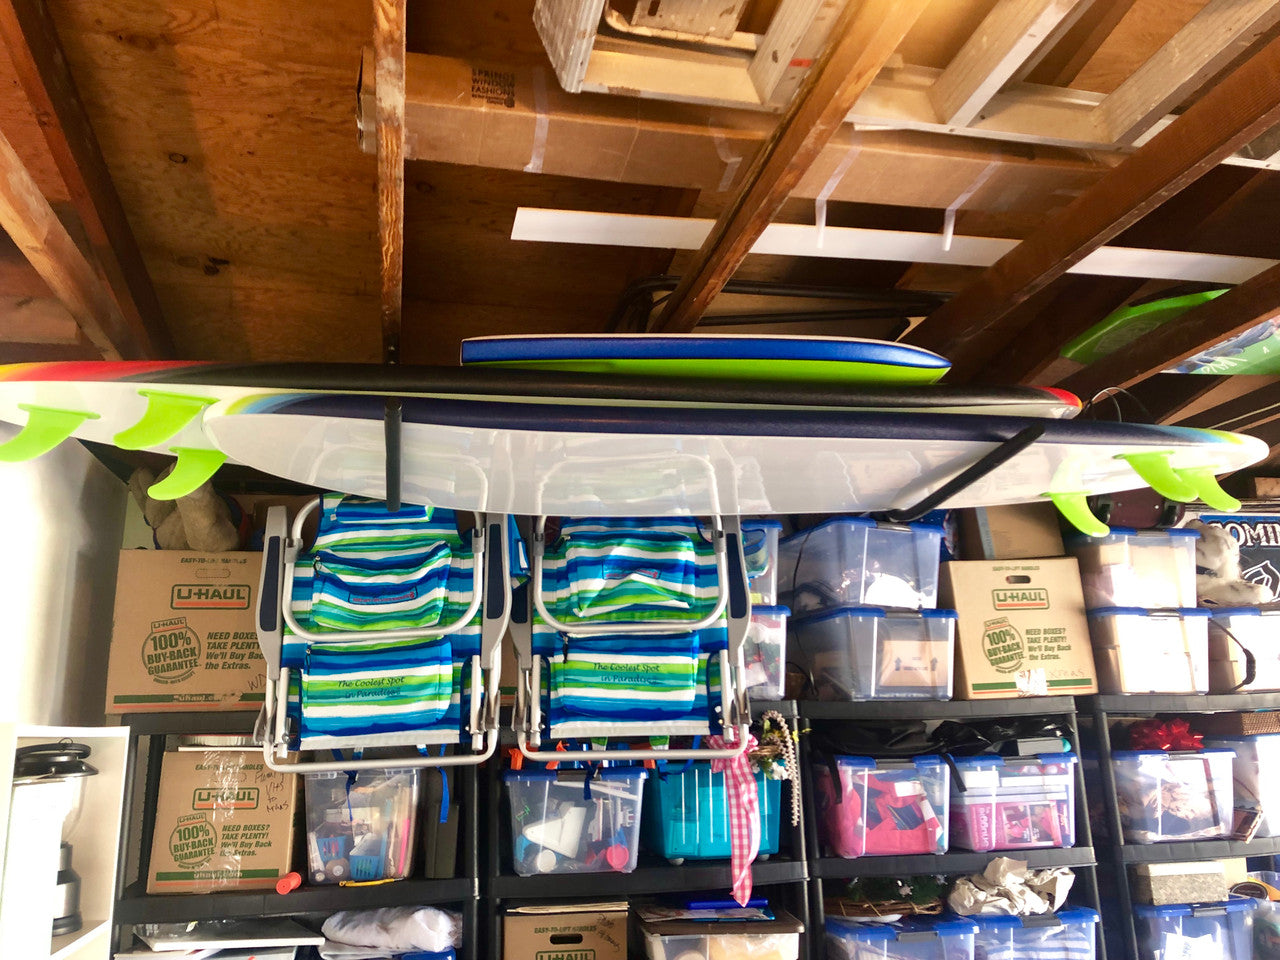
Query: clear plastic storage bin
686	813
859	562
776	939
1066	935
765	653
361	829
918	938
866	653
1202	931
760	550
1256	773
1236	635
1137	568
1014	803
882	808
1166	796
560	823
1137	650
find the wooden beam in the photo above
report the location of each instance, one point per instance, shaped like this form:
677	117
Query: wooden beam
1067	55
1207	394
1214	37
1235	111
1259	405
41	67
1237	310
865	37
37	320
1031	356
1005	39
389	52
29	220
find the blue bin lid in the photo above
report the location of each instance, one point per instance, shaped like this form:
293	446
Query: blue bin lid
1070	916
928	761
606	773
1234	905
849	612
1135	754
770	611
985	760
862	932
761	524
865	522
1225	612
1183	612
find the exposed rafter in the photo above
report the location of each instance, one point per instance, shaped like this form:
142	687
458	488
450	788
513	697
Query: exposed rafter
41	66
389	53
1237	310
865	37
1235	111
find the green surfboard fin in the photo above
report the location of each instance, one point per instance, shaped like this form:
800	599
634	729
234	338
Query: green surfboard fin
1075	508
167	413
193	468
46	428
1208	489
1154	468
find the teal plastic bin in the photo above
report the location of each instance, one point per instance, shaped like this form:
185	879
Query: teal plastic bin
686	813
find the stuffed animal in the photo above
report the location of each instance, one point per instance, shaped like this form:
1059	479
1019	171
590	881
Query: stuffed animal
1218	579
199	521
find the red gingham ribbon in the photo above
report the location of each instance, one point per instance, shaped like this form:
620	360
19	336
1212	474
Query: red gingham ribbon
744	813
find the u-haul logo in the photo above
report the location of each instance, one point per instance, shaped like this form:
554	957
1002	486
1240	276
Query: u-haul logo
1022	598
214	798
203	596
566	955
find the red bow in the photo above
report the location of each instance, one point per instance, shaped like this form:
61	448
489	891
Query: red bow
1164	735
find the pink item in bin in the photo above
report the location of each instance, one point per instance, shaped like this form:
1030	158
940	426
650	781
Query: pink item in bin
1013	803
883	808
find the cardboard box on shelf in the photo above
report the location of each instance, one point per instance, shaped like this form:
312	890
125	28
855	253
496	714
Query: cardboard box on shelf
224	821
588	930
1193	882
183	636
1021	628
1015	531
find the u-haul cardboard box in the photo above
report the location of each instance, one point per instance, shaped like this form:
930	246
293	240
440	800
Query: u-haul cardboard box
224	821
565	931
1021	628
184	637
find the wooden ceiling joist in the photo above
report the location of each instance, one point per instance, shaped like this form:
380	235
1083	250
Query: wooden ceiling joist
32	224
1005	40
975	322
389	56
1240	308
1217	35
865	37
41	67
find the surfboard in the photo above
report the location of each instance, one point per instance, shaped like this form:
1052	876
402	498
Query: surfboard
766	358
610	460
156	406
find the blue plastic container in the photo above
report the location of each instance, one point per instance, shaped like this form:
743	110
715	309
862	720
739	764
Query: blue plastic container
1227	926
919	938
686	813
1066	935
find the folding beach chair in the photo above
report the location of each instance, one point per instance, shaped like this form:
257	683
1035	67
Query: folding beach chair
636	630
384	633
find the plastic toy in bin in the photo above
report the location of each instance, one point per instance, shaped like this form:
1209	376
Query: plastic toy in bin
1199	931
1183	795
575	821
361	826
1065	935
1013	803
912	939
884	808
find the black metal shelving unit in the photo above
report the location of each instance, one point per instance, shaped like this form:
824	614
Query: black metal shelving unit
1081	858
783	878
1104	708
134	906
